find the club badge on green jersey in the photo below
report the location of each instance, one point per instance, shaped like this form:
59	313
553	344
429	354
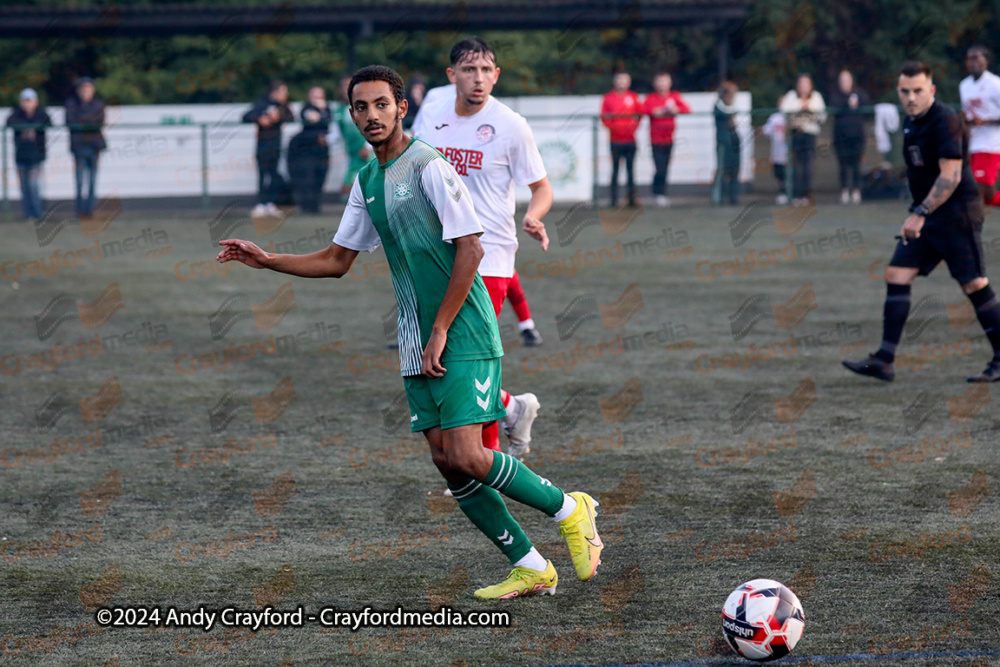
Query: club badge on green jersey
402	190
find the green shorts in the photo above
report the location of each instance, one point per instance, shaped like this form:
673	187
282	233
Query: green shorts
469	393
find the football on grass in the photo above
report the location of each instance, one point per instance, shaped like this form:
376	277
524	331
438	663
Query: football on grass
763	620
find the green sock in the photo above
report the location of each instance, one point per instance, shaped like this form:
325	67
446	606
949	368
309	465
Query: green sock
515	480
487	510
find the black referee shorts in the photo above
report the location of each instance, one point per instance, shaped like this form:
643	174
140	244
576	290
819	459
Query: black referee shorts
954	240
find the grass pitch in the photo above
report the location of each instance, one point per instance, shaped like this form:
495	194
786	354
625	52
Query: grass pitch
231	442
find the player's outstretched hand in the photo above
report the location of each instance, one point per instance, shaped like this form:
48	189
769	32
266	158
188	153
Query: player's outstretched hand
235	250
536	230
431	365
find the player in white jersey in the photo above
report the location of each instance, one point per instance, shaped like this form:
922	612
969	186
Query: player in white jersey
492	149
980	93
530	337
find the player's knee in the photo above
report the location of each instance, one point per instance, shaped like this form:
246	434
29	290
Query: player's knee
467	461
440	459
895	275
974	285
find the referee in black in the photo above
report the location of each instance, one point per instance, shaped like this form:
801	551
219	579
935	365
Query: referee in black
945	222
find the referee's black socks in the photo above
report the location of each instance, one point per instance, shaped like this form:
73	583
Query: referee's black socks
988	312
897	307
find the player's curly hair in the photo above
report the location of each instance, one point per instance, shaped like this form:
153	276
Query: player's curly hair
377	73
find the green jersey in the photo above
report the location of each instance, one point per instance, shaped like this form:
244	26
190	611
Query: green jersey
414	206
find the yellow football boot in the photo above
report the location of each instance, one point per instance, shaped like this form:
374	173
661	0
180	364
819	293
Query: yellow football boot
580	531
522	581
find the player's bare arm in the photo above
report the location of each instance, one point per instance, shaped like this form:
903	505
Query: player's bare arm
468	253
540	204
331	262
944	186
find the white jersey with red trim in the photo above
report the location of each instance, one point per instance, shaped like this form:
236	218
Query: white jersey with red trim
982	99
492	150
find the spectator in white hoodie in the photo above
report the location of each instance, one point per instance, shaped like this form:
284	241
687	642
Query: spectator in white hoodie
806	113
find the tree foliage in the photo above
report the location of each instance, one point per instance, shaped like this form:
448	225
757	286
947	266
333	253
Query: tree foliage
778	39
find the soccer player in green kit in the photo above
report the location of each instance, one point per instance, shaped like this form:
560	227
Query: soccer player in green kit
413	203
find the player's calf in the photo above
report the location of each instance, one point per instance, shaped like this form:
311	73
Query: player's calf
987	307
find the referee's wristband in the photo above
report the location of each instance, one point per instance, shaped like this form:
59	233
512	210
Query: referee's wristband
921	210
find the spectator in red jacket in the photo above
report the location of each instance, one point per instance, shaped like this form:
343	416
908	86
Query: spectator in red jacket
620	113
661	106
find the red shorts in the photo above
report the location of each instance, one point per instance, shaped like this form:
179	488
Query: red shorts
497	287
985	167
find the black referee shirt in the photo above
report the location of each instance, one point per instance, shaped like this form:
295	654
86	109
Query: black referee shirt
940	134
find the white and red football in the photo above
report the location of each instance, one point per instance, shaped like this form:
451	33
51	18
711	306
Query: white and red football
763	620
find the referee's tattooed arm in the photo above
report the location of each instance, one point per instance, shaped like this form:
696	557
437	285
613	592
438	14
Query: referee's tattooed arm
948	179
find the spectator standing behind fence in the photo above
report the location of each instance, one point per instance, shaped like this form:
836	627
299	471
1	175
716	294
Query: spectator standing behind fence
309	153
726	187
662	106
776	129
807	113
415	98
268	114
620	113
846	103
29	121
357	149
85	117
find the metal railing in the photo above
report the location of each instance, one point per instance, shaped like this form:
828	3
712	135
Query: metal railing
216	159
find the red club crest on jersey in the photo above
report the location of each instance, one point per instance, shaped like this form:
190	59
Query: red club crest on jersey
485	133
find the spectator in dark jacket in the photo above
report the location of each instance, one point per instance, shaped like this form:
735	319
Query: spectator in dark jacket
726	188
309	154
269	113
849	134
85	117
29	121
415	98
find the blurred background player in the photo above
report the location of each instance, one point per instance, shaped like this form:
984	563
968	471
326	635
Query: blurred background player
846	101
492	149
807	112
85	117
519	302
621	112
980	94
776	128
309	153
29	121
945	222
662	106
357	149
726	187
269	113
452	381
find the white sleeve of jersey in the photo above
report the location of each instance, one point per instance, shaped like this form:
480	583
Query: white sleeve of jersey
526	164
356	231
451	200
